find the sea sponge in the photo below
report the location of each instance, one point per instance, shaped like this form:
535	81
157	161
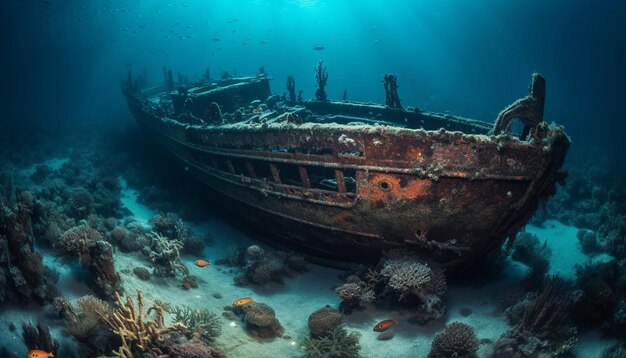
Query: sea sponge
323	321
261	320
457	340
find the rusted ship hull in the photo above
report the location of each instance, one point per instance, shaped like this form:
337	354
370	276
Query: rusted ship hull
350	191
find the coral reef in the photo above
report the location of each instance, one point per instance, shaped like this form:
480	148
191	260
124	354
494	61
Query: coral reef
323	321
405	276
137	334
23	277
599	286
77	243
38	337
261	267
401	277
338	344
457	340
105	281
541	323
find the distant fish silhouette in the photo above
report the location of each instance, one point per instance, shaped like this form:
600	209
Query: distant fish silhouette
384	325
216	39
318	47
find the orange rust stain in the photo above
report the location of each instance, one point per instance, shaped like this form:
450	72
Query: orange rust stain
386	187
414	153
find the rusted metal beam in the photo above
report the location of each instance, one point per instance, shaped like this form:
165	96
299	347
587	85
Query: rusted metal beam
304	177
275	173
341	183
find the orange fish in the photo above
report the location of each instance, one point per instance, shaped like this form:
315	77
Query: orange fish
243	301
384	325
36	353
202	263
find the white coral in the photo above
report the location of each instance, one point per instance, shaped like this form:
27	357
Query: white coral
405	274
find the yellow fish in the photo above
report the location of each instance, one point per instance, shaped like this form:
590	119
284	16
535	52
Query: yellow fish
202	263
36	353
243	301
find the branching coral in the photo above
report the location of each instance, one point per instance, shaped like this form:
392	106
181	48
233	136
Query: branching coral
136	333
165	255
339	343
203	323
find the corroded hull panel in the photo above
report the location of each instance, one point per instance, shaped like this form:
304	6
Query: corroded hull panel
351	191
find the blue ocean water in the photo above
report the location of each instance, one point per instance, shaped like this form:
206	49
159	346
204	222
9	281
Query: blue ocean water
67	136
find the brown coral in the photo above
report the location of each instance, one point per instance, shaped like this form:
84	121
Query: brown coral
76	242
261	320
323	321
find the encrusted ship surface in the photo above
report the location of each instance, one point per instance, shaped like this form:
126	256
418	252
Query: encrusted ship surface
346	180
